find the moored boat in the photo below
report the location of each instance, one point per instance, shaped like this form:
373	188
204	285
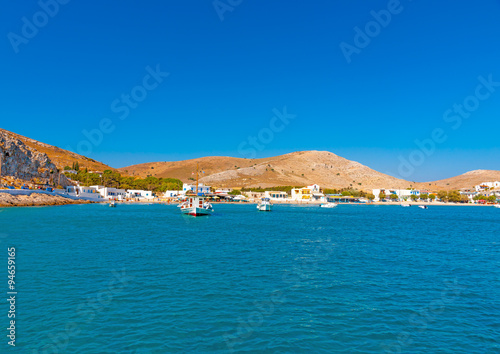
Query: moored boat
112	204
405	205
196	204
423	207
497	205
328	205
264	205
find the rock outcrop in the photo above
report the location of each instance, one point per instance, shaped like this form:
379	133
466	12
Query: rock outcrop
27	164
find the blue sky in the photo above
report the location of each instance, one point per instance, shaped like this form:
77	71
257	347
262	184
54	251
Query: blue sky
230	69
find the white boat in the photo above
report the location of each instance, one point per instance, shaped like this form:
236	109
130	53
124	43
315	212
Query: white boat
264	205
405	205
497	205
328	205
112	204
423	207
196	206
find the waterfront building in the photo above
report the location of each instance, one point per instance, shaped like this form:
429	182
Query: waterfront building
141	194
192	187
276	195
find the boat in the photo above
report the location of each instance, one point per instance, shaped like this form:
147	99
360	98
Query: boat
196	203
423	207
112	204
264	205
497	205
405	205
328	205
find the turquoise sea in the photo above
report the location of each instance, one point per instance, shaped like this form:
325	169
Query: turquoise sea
354	279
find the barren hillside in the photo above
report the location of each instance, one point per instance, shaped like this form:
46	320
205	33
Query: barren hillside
297	168
467	180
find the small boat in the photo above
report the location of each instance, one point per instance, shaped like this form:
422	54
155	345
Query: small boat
328	205
405	205
423	207
497	205
264	205
196	204
112	204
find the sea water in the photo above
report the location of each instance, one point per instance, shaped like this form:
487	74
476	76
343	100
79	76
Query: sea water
353	279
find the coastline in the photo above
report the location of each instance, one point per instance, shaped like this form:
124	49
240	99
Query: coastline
35	198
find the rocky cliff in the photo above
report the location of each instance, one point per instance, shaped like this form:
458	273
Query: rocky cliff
27	164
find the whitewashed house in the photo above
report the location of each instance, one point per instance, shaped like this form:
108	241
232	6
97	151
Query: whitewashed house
88	193
276	195
402	194
171	194
111	193
487	185
139	194
192	187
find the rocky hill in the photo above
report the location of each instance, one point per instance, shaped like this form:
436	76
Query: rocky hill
22	162
296	169
58	156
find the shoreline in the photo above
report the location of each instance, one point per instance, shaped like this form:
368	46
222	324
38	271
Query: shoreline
31	198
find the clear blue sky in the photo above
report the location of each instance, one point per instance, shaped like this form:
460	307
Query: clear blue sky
227	76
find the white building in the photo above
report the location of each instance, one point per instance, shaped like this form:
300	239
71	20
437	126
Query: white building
276	195
111	193
192	187
171	194
224	190
402	194
487	185
141	194
90	193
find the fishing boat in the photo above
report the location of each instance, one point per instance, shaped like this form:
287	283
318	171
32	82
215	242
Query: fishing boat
328	205
423	207
264	205
196	203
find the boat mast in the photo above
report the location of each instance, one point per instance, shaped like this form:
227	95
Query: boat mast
197	167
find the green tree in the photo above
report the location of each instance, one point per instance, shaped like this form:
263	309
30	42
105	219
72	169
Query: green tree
443	195
432	197
413	197
370	196
393	197
454	196
382	196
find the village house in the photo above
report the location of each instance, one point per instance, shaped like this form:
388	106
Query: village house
276	195
139	194
192	187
